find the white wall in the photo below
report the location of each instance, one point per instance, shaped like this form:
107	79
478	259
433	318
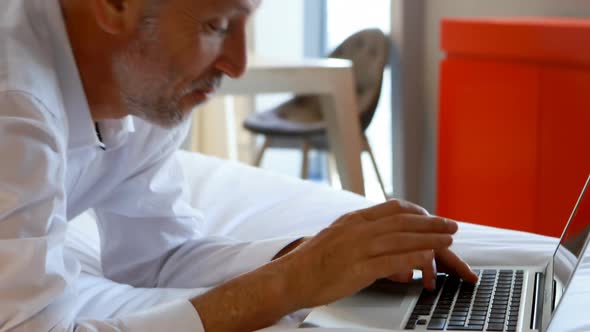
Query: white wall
278	26
434	10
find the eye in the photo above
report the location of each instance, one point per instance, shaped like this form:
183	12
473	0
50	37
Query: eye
220	27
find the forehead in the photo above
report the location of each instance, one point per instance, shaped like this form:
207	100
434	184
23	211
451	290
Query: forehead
225	7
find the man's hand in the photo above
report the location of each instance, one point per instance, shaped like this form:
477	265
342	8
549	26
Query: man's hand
385	241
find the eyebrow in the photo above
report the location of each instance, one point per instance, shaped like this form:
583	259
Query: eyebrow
243	9
234	9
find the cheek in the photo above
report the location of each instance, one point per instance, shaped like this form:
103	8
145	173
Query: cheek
200	59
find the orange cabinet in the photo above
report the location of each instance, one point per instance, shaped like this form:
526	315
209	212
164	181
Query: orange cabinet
514	122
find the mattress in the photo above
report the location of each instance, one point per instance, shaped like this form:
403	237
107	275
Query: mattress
266	205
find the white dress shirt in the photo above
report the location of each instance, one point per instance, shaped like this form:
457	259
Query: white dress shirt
53	167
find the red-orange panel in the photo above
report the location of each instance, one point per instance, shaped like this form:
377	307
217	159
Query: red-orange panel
487	143
564	156
558	40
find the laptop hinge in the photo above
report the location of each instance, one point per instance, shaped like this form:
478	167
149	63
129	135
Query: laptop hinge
554	296
537	310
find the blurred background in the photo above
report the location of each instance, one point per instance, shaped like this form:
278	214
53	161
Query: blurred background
404	130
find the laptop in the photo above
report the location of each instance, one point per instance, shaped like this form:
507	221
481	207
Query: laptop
508	299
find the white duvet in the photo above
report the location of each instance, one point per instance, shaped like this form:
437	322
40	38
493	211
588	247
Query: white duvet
249	204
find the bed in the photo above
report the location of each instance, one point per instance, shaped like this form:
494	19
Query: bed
266	205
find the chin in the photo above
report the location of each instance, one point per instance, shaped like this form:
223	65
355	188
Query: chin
168	117
169	121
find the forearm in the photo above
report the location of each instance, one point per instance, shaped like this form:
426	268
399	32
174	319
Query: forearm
249	302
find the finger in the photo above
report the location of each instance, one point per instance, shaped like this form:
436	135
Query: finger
453	264
414	224
390	208
399	243
384	266
403	277
429	271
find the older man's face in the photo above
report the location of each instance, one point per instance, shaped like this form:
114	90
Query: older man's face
179	54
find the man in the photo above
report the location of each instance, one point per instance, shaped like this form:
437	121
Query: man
94	95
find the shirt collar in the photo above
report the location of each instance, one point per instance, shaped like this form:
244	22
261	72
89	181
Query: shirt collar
115	132
82	131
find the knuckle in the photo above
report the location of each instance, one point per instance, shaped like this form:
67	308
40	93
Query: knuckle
355	216
442	241
396	204
447	240
439	221
416	209
423	211
348	217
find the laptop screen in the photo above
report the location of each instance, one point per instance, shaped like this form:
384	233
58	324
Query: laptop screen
573	240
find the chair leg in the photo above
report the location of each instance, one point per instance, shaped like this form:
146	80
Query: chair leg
305	160
265	145
333	176
368	148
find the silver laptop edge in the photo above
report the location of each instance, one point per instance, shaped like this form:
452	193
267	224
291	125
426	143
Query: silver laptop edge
550	299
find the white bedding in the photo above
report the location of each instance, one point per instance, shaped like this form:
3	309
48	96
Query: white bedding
249	204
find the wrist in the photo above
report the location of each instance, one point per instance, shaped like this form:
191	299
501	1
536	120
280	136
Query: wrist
251	301
290	272
290	247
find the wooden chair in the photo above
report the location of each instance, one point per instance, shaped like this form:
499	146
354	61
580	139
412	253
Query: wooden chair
298	122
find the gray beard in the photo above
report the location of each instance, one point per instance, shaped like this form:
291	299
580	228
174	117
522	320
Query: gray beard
140	91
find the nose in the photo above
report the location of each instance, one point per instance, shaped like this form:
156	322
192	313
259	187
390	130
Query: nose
233	59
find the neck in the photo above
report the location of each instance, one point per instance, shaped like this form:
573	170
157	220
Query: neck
93	50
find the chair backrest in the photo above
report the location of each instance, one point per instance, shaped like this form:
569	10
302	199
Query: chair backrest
369	52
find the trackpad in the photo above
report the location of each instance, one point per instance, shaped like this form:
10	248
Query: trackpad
383	305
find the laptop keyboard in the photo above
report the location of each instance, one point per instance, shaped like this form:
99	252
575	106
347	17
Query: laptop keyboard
490	305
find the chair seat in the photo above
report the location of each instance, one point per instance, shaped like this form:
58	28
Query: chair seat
298	117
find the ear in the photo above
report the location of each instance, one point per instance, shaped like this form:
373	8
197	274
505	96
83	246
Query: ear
115	16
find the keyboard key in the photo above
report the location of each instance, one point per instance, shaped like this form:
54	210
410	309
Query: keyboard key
479	312
457	322
502	295
495	327
436	324
466	328
494	315
427	298
410	325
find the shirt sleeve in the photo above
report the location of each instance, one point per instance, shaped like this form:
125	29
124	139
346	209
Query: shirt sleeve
152	237
37	275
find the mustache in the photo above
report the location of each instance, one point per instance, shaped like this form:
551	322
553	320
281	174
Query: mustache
211	83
